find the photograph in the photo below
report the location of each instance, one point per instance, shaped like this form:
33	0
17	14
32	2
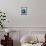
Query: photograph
23	10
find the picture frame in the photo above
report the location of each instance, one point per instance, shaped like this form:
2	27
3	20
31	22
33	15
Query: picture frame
23	10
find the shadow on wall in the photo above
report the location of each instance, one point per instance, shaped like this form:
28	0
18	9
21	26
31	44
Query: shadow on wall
16	43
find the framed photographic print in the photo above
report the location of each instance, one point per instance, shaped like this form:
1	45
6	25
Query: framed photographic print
23	10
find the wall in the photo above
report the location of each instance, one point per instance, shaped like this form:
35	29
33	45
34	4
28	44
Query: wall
36	16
